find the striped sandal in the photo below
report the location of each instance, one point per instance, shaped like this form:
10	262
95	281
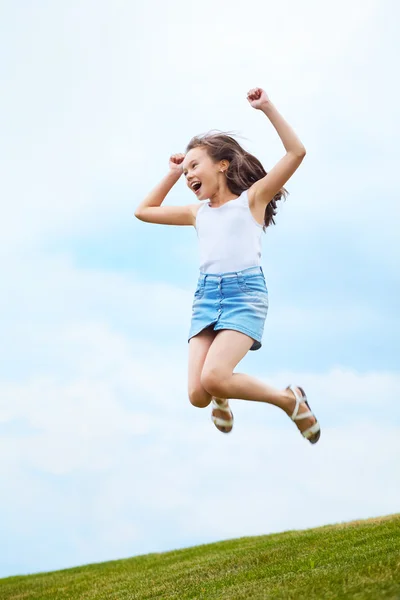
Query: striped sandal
313	433
224	425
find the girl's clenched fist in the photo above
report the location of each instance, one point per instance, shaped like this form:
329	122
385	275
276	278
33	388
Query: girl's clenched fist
257	98
175	163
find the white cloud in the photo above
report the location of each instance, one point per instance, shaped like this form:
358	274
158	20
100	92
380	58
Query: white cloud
262	478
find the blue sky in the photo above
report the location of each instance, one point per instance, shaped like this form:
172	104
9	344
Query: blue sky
102	455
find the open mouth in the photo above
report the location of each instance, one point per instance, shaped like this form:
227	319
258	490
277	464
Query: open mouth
196	186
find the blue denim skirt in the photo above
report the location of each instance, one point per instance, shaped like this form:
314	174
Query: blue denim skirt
235	300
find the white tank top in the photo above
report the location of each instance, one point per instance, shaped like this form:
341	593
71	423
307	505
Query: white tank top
229	236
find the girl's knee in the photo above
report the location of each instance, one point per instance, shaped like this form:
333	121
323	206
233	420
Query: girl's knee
199	397
213	382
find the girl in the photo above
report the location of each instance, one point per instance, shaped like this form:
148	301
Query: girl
231	300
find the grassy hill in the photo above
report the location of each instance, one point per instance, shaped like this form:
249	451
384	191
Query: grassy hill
355	560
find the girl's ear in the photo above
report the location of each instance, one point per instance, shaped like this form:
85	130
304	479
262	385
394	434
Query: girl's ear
223	165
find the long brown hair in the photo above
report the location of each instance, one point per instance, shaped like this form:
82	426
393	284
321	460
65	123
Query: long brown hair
244	168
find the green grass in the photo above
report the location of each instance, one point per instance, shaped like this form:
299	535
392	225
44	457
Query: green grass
356	560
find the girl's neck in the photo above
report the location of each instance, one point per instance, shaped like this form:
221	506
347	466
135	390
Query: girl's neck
221	197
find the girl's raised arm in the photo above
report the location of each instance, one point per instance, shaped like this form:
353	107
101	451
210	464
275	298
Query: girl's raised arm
264	190
151	211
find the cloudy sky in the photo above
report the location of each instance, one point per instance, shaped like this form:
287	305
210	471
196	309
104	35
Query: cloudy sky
102	456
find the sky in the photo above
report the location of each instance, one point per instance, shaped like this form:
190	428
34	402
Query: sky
103	457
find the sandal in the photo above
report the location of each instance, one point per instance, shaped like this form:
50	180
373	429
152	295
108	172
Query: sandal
313	433
223	425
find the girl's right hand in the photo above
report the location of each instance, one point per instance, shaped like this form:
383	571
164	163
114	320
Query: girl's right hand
175	163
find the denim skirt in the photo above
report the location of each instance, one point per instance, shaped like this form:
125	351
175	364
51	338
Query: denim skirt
235	300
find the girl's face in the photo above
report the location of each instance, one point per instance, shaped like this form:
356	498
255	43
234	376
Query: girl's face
201	173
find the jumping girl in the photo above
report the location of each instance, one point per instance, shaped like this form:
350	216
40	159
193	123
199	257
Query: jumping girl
231	300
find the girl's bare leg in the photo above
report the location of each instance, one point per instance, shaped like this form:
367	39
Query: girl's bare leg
198	349
217	377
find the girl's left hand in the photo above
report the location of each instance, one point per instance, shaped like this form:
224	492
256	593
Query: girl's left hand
257	98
